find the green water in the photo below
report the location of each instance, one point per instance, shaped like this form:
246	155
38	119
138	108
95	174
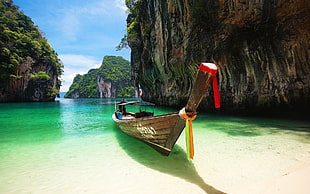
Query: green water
73	146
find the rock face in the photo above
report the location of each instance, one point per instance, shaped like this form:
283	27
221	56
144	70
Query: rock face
261	49
104	88
29	88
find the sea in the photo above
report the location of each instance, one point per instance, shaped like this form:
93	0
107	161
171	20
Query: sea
73	146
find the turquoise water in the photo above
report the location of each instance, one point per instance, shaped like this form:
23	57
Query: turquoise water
73	146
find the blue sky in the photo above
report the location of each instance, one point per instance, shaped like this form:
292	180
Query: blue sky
82	32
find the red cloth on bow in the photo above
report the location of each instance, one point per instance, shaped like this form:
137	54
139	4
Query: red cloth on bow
216	93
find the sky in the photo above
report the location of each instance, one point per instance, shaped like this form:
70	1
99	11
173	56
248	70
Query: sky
81	32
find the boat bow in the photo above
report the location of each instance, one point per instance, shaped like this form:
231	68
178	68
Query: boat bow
162	131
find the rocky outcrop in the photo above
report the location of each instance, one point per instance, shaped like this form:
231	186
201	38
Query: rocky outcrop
104	88
261	49
27	87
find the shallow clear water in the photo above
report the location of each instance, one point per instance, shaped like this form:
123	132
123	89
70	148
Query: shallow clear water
73	146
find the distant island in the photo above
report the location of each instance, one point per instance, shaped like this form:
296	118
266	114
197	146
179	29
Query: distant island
112	79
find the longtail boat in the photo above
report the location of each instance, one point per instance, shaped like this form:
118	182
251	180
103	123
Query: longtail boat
162	131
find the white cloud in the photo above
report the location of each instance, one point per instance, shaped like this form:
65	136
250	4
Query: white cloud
70	18
121	4
69	26
76	64
79	60
89	9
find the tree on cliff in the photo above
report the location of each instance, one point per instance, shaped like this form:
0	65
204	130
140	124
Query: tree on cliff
133	24
25	52
112	79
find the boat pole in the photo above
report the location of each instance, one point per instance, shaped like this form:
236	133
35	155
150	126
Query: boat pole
206	73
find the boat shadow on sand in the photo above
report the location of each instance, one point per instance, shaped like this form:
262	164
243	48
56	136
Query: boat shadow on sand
176	164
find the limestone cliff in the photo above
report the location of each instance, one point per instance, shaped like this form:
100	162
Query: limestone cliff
105	88
260	46
30	86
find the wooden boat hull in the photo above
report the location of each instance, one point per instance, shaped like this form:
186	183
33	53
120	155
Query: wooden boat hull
160	132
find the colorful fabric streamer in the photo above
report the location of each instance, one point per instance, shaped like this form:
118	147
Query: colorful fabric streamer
216	93
189	135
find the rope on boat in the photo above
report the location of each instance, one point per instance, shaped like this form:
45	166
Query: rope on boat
189	132
191	114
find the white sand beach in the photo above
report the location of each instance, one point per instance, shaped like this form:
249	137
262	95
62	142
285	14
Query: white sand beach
293	182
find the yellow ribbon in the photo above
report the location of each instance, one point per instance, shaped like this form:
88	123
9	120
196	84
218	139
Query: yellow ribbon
189	135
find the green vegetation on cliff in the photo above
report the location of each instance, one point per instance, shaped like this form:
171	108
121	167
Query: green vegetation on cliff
112	78
133	24
25	55
84	85
19	39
